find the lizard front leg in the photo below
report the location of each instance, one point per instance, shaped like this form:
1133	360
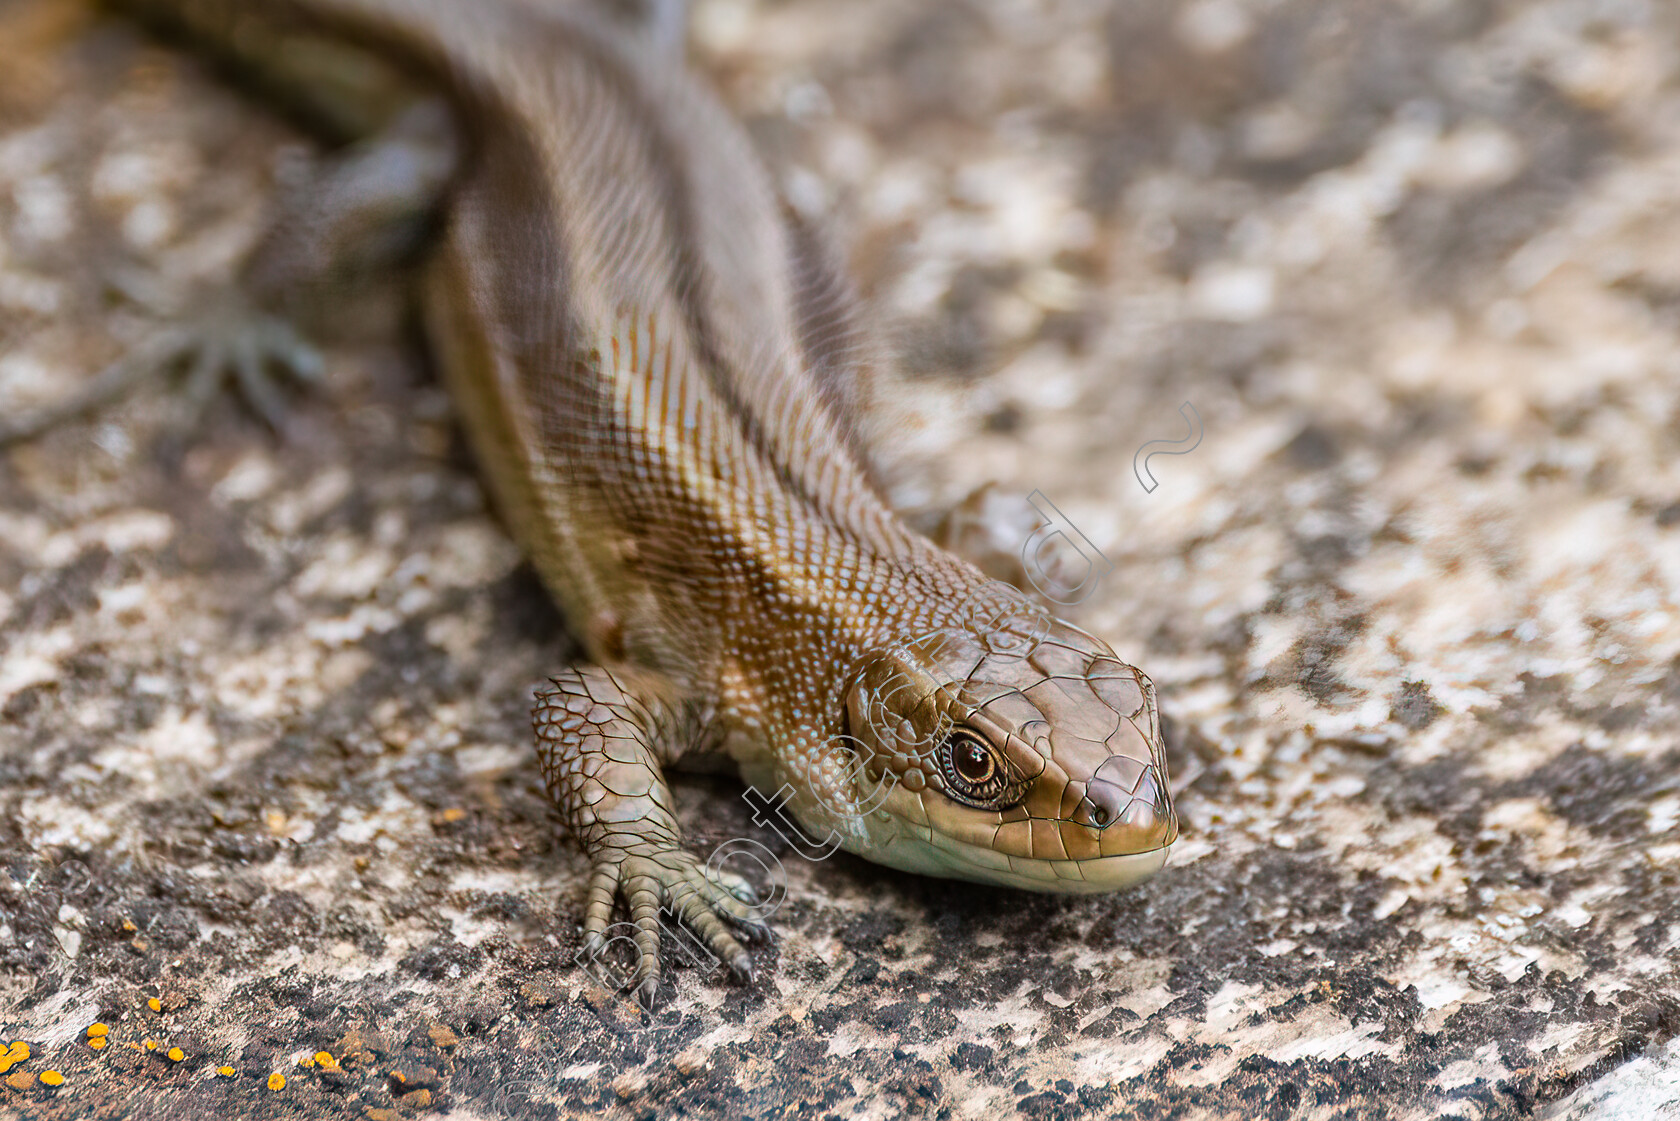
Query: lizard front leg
599	747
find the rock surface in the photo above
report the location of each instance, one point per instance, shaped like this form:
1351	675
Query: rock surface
1413	602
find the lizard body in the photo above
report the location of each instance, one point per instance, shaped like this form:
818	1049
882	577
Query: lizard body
656	364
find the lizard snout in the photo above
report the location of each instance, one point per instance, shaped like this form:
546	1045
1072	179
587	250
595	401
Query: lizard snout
1128	801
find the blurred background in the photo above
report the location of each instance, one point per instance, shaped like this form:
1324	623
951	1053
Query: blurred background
1412	604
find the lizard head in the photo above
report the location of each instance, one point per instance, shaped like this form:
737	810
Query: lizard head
1014	749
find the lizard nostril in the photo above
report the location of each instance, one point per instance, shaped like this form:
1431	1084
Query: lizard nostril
1103	804
1128	795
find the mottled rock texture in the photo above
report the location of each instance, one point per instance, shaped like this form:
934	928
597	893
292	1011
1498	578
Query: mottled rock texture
1413	604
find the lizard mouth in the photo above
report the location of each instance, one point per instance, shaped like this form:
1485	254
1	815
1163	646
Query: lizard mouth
941	856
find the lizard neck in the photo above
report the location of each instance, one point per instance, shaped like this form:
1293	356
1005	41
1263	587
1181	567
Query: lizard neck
815	598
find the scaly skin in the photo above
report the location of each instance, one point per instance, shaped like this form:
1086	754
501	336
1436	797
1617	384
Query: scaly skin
656	365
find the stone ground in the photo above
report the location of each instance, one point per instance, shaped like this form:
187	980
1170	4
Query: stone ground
1413	603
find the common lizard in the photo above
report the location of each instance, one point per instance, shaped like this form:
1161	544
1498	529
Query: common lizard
657	364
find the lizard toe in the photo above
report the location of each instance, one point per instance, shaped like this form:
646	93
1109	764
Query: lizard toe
255	351
657	886
738	886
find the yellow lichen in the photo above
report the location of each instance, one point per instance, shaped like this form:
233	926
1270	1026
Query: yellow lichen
18	1052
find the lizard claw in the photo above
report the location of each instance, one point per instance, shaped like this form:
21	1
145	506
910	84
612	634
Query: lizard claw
667	891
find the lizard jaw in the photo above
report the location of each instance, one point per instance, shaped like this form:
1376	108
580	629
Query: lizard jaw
937	855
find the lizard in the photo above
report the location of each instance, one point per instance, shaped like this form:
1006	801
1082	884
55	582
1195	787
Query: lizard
659	364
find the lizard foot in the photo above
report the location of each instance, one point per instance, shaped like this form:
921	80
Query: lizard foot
715	906
231	340
257	351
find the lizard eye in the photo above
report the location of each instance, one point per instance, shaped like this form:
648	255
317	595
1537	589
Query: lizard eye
973	763
973	772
